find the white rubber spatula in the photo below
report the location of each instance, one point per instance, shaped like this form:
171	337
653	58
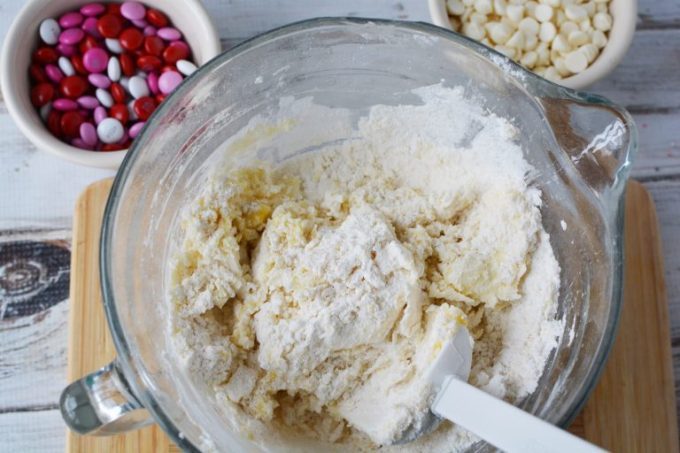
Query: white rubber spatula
497	422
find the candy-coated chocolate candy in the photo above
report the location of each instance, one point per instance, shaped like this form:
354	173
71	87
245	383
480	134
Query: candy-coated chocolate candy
71	36
168	81
70	124
159	98
66	66
54	123
152	82
92	9
66	50
175	51
65	105
110	130
96	60
88	102
186	67
99	114
49	31
72	86
113	8
90	27
131	38
144	107
153	45
45	55
88	43
110	25
169	33
113	45
88	133
149	63
104	97
138	87
99	80
127	65
113	147
117	92
54	73
70	20
136	128
41	94
77	62
150	30
113	69
156	18
37	73
132	10
119	112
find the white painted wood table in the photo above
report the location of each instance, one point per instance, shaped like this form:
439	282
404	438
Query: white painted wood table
37	191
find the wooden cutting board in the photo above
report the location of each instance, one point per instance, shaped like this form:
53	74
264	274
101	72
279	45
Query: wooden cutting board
631	410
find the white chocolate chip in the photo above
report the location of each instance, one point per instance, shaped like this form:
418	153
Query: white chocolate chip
477	18
561	67
575	12
599	39
561	45
529	59
455	7
530	42
577	38
567	27
590	8
483	6
552	74
590	51
543	13
516	41
500	7
585	24
498	32
602	21
576	61
531	7
547	32
515	13
505	50
529	26
473	30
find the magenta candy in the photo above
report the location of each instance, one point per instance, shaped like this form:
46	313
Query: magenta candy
92	9
169	34
90	27
80	143
99	114
70	20
54	73
132	10
64	104
150	30
136	128
168	81
71	36
125	137
88	102
66	50
88	133
152	81
96	60
99	80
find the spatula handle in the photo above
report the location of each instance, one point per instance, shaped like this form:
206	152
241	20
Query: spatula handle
502	424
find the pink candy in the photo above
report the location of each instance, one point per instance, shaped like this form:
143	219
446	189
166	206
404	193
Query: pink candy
132	10
54	73
92	9
169	34
88	102
95	60
66	50
88	133
99	80
150	30
152	81
136	128
99	114
69	20
168	81
71	36
90	27
65	104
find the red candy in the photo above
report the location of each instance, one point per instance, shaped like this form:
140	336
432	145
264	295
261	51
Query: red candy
113	8
54	123
73	86
153	45
114	146
88	43
120	112
131	38
117	92
176	50
149	63
70	124
110	25
144	107
77	62
42	94
37	73
45	55
156	18
127	65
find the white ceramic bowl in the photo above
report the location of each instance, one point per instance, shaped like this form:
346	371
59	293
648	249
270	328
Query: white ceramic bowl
620	36
188	16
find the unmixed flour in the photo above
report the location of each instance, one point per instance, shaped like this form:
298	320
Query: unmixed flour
312	293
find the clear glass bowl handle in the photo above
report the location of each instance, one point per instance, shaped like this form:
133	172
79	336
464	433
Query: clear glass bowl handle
102	404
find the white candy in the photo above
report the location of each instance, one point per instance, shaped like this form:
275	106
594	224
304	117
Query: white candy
110	130
547	32
543	13
576	62
113	69
104	97
599	39
49	31
602	21
515	13
131	110
125	83
45	111
529	59
498	32
141	74
483	6
114	45
473	30
455	7
516	41
577	38
186	67
575	12
138	87
529	26
66	66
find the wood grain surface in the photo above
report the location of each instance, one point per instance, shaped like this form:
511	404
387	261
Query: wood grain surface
38	191
631	410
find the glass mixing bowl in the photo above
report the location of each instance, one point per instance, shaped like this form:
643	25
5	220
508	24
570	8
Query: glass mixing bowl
580	144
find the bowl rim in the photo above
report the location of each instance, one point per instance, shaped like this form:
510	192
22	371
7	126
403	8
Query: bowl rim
138	381
624	13
41	138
